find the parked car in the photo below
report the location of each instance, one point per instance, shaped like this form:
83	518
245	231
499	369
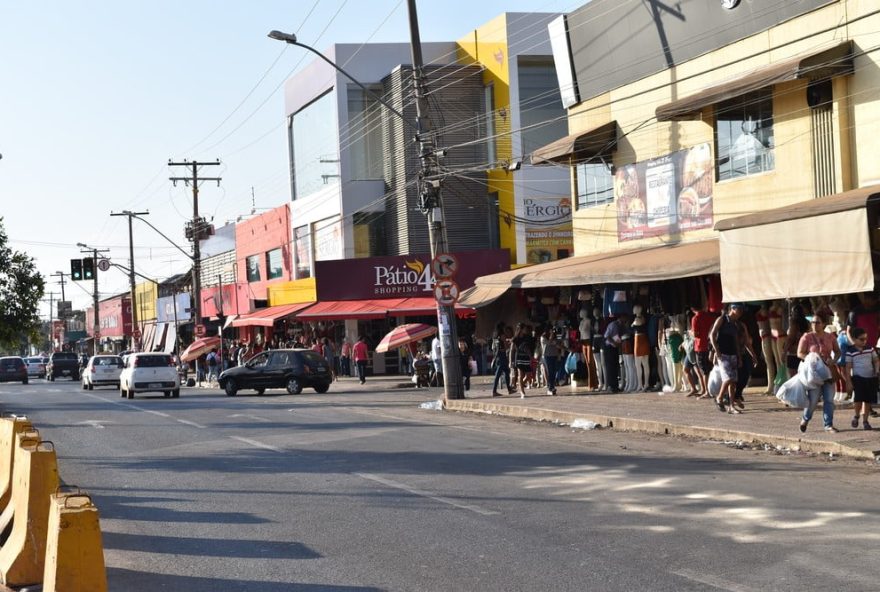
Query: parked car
293	369
36	366
149	372
103	370
13	369
63	364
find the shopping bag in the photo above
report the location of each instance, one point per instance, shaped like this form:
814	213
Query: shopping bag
813	371
793	393
714	381
571	363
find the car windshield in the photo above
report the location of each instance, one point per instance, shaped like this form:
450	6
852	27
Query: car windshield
152	361
34	360
10	362
107	361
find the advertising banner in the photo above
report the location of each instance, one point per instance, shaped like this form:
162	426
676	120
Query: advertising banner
212	304
665	195
328	240
547	228
407	276
165	308
114	317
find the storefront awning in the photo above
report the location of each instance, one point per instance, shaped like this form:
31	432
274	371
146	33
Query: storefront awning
647	264
836	60
599	141
480	296
266	317
817	247
336	310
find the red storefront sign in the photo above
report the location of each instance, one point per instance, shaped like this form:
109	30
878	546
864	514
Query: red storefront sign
400	277
211	305
114	318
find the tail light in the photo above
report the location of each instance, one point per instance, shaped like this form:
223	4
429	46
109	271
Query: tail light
135	363
172	363
93	370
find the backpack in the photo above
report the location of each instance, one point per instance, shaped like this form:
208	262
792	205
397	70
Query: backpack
212	359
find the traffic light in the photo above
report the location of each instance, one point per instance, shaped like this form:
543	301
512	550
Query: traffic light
88	268
76	269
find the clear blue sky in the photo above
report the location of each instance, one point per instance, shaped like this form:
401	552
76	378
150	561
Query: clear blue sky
96	96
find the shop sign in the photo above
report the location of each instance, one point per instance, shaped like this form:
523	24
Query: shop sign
400	277
328	240
165	308
114	317
548	231
665	195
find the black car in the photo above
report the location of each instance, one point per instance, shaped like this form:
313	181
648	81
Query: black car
13	369
293	369
62	364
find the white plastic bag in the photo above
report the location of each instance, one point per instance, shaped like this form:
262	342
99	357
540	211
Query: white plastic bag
714	381
793	393
812	372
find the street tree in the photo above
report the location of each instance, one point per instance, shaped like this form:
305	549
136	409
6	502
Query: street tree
21	289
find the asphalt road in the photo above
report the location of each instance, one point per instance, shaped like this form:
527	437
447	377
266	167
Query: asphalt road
360	489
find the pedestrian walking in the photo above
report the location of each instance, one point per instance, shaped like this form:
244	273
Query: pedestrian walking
500	360
862	368
212	361
611	352
329	354
465	356
550	350
361	357
818	341
345	357
725	339
437	361
521	351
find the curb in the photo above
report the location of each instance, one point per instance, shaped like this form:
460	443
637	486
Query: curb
629	424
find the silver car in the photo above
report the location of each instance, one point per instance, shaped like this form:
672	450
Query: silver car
102	370
36	366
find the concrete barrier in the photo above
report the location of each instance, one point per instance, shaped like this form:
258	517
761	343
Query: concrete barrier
9	427
30	435
35	478
74	552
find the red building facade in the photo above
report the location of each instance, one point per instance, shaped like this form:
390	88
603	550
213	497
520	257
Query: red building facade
263	257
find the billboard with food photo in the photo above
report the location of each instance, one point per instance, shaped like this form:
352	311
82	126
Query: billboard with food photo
665	195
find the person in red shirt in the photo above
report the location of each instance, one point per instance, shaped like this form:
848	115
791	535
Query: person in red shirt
701	326
360	358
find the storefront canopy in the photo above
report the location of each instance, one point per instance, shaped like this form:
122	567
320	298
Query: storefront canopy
480	296
814	248
646	264
836	60
362	310
267	317
600	141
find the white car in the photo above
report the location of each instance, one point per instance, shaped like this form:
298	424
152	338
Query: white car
36	366
102	370
149	372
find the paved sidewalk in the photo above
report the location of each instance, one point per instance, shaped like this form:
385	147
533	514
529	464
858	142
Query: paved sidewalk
764	420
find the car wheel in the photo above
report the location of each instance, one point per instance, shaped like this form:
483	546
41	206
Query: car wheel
260	391
231	388
322	388
294	386
75	377
91	387
51	378
25	381
175	393
166	393
122	392
85	387
129	394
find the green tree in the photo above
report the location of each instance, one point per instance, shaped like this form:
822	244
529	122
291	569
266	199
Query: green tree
21	289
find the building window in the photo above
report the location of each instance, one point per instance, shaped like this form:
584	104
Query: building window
253	268
274	266
744	135
542	117
363	135
595	184
302	248
314	144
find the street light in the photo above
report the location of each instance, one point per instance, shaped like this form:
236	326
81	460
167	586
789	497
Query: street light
290	38
429	191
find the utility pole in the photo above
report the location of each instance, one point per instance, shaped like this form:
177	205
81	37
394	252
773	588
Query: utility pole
51	320
197	228
96	321
431	203
135	343
61	274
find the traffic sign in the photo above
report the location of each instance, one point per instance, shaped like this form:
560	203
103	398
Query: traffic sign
444	266
103	264
446	292
200	330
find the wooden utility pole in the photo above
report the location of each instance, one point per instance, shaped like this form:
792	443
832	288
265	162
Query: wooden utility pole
197	229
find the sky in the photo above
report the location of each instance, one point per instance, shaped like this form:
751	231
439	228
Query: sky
97	96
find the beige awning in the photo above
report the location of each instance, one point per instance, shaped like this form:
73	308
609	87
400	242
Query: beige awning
646	264
599	141
836	60
480	296
818	247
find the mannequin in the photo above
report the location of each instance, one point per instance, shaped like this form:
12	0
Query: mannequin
598	337
641	349
768	349
627	352
674	340
585	330
839	307
778	335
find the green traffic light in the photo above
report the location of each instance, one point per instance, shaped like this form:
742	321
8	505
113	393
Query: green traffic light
76	269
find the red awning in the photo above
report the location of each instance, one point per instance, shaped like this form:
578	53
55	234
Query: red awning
337	310
361	310
266	317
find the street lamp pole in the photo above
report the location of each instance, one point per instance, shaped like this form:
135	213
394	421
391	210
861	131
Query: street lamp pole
429	192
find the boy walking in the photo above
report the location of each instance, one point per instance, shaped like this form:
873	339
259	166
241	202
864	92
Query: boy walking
862	367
